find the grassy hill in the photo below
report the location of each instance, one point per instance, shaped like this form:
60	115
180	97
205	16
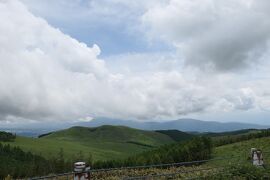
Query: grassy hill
227	168
241	150
104	143
137	147
111	134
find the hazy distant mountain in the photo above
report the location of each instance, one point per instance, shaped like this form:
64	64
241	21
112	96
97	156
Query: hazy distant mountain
181	124
26	132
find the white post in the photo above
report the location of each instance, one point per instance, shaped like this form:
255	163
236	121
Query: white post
257	157
81	172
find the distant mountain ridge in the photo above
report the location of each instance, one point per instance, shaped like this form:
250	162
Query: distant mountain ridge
187	125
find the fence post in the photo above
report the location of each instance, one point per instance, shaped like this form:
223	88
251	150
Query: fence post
257	157
81	172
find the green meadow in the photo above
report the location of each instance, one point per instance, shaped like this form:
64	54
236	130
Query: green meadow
104	143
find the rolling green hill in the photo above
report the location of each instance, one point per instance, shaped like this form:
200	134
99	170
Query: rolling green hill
237	162
111	134
136	147
104	143
241	150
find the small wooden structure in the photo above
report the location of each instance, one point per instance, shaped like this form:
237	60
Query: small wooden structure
81	171
256	157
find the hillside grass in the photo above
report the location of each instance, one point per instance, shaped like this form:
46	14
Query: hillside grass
239	153
110	134
104	143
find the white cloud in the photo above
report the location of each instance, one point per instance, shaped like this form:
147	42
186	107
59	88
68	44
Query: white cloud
39	64
47	75
226	35
135	63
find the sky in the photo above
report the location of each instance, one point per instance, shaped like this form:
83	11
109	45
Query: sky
155	60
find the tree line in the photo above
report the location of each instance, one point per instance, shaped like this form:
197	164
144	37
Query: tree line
198	148
220	141
7	137
16	163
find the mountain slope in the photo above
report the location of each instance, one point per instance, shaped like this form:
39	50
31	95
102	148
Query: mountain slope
177	135
104	143
241	151
187	125
111	134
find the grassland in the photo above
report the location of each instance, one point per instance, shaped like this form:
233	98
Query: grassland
221	169
240	152
114	142
104	143
109	134
236	164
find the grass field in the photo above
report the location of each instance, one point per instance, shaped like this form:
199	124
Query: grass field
108	134
104	143
211	170
112	142
240	151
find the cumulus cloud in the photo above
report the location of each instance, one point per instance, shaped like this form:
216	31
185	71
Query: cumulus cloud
226	35
47	75
39	64
135	63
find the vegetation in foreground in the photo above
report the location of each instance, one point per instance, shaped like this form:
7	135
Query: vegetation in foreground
235	165
33	165
196	149
239	165
17	163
